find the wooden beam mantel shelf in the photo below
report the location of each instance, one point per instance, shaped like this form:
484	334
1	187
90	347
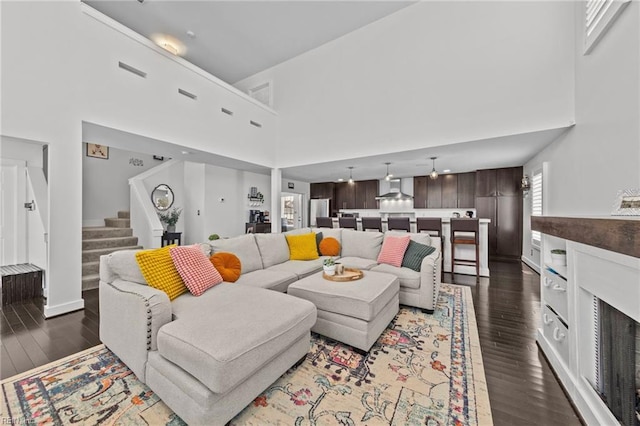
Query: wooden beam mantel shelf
618	234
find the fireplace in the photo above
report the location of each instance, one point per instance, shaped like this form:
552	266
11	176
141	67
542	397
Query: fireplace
616	362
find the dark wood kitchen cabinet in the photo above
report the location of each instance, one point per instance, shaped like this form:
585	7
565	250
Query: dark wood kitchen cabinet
366	192
498	197
449	191
420	192
466	190
321	190
434	193
345	195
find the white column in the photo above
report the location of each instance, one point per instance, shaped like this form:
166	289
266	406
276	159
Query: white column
276	192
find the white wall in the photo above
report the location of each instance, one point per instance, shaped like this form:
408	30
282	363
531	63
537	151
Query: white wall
105	183
66	71
433	73
601	154
227	218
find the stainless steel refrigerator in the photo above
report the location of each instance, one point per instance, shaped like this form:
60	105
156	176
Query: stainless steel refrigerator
318	207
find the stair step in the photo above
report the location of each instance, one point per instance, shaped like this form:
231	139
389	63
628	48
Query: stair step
114	222
90	268
109	243
89	282
94	255
95	232
124	215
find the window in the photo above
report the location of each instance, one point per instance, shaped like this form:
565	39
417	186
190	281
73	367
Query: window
599	15
536	204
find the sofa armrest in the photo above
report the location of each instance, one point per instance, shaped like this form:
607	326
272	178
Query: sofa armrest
430	279
130	316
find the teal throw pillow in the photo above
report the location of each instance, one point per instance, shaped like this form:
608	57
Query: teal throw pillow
415	253
318	239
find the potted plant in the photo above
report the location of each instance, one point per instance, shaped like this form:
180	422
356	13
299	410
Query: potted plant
559	257
329	266
170	218
214	237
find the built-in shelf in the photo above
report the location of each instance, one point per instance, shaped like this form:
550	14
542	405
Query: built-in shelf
617	234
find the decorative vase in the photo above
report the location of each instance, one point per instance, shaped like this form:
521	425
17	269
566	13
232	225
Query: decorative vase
171	228
559	259
329	270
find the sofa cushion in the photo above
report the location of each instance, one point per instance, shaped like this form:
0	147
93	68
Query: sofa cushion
301	268
124	265
415	253
408	277
268	279
195	269
159	271
302	246
393	249
422	238
273	249
244	247
361	244
243	330
228	265
357	262
329	246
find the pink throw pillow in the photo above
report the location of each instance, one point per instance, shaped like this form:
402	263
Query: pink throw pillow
393	249
195	269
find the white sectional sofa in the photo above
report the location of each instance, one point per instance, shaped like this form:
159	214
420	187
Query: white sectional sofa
208	357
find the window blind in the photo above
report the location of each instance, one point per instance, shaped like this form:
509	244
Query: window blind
536	204
599	15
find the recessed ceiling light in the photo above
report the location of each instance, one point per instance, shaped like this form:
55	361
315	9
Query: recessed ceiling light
446	170
191	34
340	180
185	152
169	43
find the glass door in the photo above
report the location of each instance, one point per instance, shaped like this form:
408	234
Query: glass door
291	208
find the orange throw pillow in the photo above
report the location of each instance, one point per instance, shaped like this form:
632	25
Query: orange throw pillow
329	247
228	265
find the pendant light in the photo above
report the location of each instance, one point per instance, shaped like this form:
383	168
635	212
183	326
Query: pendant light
389	175
434	174
350	174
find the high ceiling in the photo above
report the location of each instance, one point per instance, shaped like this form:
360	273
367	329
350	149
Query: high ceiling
236	39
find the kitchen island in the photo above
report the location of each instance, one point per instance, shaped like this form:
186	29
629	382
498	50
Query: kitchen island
462	252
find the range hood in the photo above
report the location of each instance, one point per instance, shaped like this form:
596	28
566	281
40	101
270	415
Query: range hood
394	192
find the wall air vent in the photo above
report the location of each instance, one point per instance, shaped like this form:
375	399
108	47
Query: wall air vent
255	123
187	94
133	70
226	111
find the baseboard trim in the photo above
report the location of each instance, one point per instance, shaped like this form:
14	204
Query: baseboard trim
65	308
531	264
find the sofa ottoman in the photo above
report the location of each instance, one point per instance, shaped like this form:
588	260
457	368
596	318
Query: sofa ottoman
353	312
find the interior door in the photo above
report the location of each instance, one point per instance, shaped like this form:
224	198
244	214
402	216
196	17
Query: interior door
13	216
292	212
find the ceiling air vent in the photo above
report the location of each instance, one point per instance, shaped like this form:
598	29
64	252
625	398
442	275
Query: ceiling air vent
255	123
133	70
187	94
226	111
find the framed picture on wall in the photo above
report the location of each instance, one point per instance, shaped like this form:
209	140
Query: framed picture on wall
627	203
97	151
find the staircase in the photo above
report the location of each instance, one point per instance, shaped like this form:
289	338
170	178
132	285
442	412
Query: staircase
96	241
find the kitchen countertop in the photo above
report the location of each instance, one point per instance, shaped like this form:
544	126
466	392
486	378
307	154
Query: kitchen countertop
413	220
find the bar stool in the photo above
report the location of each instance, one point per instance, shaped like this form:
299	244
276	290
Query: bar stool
466	227
324	222
348	222
372	223
398	223
432	225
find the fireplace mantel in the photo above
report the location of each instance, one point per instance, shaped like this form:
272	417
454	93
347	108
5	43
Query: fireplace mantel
620	234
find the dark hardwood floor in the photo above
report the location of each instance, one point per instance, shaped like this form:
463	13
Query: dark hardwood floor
522	387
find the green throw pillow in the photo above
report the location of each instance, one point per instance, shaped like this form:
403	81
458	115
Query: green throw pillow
414	255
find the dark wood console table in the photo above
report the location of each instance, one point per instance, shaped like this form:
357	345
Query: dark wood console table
257	228
171	238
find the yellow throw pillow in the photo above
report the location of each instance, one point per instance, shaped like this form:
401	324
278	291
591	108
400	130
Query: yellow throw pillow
159	271
302	246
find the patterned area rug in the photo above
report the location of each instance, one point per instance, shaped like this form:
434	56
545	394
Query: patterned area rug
424	369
